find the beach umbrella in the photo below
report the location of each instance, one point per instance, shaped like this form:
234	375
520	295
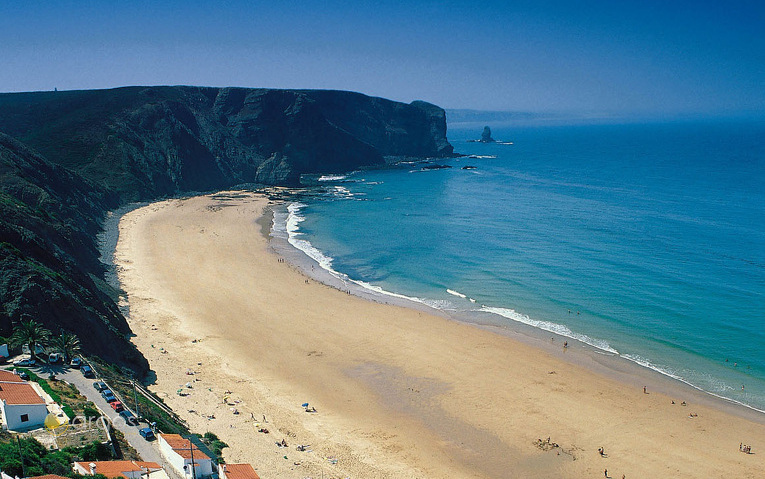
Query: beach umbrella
305	404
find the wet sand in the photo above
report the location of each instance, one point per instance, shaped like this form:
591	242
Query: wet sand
399	392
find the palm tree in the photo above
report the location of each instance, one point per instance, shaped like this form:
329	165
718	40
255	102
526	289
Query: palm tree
67	344
31	333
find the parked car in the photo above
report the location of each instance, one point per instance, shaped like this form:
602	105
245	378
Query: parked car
76	363
108	395
24	375
87	371
25	362
146	433
100	386
117	406
129	418
55	358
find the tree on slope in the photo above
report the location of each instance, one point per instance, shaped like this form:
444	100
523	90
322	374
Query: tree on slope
66	343
31	333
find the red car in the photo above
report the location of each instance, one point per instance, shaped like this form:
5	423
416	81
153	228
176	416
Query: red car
117	406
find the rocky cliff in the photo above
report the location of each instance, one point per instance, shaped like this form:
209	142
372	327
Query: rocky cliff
69	157
142	142
49	266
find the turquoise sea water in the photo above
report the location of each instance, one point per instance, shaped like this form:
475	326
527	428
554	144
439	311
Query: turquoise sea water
646	241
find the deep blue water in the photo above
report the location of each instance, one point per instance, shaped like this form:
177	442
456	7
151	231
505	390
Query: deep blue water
652	236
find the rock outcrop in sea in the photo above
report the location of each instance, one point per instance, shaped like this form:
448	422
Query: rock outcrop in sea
486	135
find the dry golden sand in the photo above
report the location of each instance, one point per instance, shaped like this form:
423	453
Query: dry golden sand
399	393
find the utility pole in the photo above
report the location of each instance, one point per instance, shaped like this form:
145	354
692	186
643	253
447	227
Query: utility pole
135	399
193	468
21	455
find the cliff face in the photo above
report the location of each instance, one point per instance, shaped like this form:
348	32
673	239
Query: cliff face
48	257
145	142
95	150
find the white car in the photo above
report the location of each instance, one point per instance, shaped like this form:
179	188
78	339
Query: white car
25	362
76	363
54	358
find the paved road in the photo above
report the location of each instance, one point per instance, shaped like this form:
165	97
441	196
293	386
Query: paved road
149	451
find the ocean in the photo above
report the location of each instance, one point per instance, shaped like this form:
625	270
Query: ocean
645	241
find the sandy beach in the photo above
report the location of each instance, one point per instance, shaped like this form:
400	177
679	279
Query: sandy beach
398	392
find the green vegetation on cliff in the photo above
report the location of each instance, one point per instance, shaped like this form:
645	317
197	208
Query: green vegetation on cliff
66	158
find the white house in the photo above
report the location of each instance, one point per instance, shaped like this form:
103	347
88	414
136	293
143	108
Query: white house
119	469
237	471
21	406
179	453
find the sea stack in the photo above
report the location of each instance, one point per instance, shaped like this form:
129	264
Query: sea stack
486	135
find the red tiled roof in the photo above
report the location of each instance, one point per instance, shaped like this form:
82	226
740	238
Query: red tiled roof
19	393
112	469
9	376
240	471
182	446
47	476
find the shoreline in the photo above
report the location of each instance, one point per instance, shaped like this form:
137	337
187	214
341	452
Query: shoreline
392	401
613	365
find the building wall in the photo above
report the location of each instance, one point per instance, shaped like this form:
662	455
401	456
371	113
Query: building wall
203	469
12	416
174	459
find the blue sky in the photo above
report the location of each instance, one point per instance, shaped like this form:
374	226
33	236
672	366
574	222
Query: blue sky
611	57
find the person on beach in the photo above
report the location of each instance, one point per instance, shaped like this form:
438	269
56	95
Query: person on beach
644	390
605	472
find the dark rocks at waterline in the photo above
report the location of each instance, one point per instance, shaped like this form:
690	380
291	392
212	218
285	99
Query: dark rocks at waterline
469	167
435	167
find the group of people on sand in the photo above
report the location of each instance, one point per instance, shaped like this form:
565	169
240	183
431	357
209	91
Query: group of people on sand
744	448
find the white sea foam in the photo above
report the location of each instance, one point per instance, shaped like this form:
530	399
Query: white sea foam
719	386
293	236
332	177
340	192
460	295
379	290
294	219
556	328
483	157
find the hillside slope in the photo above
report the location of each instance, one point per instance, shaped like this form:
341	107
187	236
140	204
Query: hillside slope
49	218
66	158
143	142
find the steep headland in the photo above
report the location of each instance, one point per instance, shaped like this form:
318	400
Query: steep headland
141	142
66	158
